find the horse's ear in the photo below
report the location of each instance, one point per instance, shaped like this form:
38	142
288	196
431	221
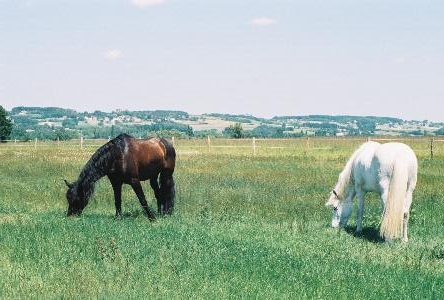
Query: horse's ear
67	183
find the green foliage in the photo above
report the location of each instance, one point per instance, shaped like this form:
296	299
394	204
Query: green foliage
366	126
205	133
25	121
159	114
244	227
440	131
417	133
5	124
237	118
266	131
70	124
44	112
342	119
234	131
165	129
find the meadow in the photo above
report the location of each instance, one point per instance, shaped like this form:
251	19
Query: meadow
245	226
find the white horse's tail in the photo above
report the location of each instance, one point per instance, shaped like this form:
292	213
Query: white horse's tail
391	225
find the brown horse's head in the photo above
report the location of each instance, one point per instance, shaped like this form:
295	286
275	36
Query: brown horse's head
76	199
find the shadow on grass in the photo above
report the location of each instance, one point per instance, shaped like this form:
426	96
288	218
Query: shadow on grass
370	234
124	216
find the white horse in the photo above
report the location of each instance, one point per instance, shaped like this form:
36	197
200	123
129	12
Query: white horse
387	169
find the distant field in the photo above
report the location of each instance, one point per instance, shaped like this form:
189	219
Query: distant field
249	223
209	123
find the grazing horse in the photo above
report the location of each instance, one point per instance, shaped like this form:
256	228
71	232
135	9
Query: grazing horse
387	169
125	159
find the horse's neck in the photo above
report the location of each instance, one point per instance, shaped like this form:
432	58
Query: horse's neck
340	189
346	190
99	163
95	169
86	181
89	177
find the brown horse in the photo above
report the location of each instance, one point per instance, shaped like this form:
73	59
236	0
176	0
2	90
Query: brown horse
125	159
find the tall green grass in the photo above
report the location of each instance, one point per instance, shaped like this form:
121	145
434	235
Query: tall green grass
244	227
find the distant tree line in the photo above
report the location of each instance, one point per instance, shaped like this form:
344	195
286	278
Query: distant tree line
44	112
341	119
237	118
46	132
30	123
52	123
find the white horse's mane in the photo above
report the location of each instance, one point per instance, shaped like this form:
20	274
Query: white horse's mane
345	177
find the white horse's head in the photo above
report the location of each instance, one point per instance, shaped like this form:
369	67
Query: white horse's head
341	206
335	204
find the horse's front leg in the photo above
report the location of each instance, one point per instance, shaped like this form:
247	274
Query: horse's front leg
360	195
137	187
346	210
155	186
117	188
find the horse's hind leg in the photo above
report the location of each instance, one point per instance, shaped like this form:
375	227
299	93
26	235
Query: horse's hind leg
360	196
405	221
155	186
137	187
167	191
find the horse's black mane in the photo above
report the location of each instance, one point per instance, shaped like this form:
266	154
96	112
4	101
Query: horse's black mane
100	162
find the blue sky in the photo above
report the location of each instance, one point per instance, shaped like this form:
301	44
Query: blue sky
262	57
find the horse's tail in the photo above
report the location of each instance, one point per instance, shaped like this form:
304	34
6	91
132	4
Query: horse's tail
170	152
167	185
391	225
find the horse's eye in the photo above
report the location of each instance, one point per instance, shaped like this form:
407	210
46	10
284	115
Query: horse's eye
335	208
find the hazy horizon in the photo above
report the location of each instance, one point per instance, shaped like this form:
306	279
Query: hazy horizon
215	112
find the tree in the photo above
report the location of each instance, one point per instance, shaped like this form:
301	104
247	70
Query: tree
235	131
5	124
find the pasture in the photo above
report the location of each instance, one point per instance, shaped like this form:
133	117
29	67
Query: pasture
245	226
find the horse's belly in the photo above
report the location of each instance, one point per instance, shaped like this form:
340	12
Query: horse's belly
372	187
367	180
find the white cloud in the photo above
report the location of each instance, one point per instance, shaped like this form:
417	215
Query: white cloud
144	3
263	21
112	54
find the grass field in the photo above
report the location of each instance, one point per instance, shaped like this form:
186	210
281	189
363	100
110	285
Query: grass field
244	227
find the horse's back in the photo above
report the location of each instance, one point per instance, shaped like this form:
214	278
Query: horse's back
391	153
154	151
365	171
374	164
365	153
